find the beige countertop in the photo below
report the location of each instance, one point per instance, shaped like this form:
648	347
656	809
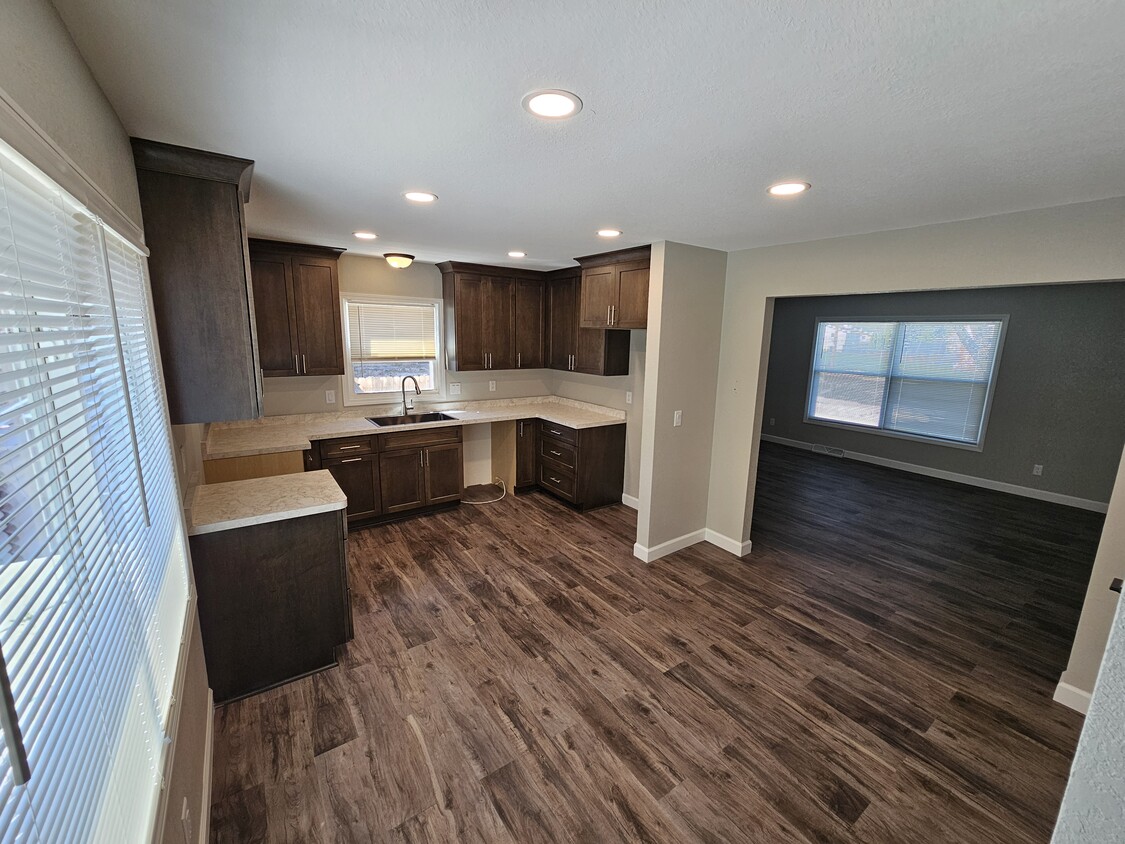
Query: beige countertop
235	504
295	433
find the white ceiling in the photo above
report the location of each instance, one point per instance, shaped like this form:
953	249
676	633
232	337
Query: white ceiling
899	113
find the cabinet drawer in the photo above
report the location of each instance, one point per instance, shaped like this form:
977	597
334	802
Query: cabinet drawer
429	436
551	429
558	451
557	482
347	446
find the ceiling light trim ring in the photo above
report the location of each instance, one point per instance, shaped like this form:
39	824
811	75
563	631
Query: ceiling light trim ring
555	95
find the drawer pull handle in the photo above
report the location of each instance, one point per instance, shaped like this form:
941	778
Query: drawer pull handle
557	453
349	447
558	433
352	460
554	480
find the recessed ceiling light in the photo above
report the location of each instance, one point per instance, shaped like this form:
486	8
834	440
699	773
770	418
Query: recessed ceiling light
420	196
609	233
399	260
365	235
552	104
517	254
788	188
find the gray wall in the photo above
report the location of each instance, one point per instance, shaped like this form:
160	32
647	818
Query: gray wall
1059	394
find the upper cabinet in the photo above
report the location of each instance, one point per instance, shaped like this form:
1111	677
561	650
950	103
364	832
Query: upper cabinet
493	317
615	289
192	202
575	349
297	308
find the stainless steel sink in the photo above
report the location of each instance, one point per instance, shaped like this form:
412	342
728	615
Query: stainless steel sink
409	419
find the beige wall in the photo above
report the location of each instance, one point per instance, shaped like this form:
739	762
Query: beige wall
1081	242
373	276
42	71
684	322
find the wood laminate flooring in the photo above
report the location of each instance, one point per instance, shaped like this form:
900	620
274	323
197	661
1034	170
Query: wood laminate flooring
879	669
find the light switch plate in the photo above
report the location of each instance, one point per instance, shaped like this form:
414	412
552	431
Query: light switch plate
677	419
329	396
455	389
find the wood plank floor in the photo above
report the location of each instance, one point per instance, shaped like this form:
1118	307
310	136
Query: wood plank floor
879	669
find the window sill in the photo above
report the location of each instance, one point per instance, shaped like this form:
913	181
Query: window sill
898	435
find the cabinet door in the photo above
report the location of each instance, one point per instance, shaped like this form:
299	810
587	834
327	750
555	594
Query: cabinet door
599	294
358	477
444	473
499	301
468	311
525	452
272	280
632	296
562	318
316	300
529	324
401	481
602	352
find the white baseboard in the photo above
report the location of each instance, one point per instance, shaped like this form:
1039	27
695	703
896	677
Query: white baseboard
631	501
208	756
984	483
1072	696
654	553
739	549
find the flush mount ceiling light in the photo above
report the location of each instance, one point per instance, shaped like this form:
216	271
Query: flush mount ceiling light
365	235
552	104
788	188
420	196
399	260
609	233
517	254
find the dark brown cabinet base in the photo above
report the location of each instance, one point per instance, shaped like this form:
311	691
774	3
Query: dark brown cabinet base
273	601
585	467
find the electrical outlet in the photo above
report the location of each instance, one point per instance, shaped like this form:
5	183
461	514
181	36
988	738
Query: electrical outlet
1037	469
492	386
628	397
771	421
677	419
329	396
455	388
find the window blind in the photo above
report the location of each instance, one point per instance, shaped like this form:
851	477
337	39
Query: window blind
391	332
925	378
93	569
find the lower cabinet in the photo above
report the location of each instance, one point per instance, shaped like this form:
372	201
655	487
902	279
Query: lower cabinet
525	453
583	466
383	475
273	601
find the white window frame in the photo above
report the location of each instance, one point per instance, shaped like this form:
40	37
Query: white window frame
899	435
350	399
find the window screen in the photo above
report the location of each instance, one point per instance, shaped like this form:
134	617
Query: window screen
925	378
388	341
93	569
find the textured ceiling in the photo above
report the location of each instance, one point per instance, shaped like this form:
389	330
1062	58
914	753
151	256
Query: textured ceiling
899	113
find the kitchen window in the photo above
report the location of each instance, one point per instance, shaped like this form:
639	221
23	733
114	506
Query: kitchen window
386	340
926	378
94	583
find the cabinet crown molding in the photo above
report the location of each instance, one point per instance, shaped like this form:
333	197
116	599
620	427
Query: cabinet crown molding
287	246
197	163
618	256
486	269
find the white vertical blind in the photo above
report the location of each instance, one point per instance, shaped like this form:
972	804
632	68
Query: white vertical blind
93	572
925	378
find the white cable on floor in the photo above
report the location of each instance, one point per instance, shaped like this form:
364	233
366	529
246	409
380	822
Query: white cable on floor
503	492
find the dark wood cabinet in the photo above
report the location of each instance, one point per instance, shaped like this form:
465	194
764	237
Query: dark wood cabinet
526	453
493	317
384	475
585	467
615	289
297	308
575	349
273	601
529	320
192	202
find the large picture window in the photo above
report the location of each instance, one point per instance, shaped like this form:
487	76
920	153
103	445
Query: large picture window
388	339
922	378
